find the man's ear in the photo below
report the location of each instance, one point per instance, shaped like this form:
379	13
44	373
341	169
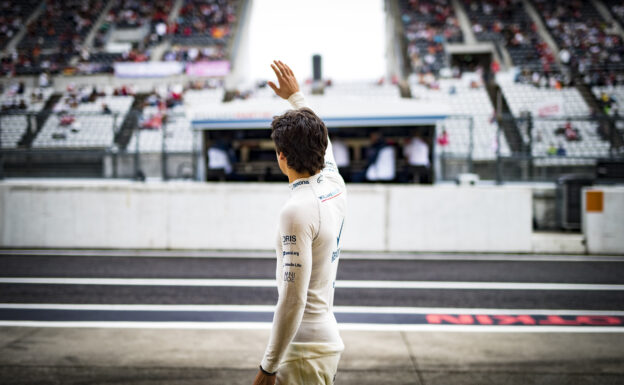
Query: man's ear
281	155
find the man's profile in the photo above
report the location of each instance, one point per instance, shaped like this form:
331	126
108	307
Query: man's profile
305	346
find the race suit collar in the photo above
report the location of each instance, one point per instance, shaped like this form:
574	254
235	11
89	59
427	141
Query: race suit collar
303	181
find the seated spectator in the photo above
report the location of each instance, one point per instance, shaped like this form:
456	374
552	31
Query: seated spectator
552	150
67	120
154	122
106	109
443	139
571	134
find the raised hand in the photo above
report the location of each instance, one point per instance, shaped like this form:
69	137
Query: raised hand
286	79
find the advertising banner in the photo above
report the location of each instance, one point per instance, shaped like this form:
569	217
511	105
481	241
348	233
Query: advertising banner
147	69
209	68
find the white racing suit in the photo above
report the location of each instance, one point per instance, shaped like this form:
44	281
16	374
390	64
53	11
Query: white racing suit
305	346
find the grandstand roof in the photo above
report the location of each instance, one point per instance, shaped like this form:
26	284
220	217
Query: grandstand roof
336	112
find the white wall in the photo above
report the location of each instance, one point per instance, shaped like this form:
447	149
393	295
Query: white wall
186	215
604	231
452	218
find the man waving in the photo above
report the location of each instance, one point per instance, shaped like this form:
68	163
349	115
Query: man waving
305	346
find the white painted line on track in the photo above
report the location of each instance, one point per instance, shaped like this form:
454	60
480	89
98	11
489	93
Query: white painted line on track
268	254
340	284
337	309
342	326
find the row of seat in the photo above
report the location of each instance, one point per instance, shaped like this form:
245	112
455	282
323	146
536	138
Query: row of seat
559	108
14	124
90	127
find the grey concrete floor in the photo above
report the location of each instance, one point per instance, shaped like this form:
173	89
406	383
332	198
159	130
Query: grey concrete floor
186	356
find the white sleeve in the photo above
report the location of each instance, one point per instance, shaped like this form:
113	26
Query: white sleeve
292	285
297	100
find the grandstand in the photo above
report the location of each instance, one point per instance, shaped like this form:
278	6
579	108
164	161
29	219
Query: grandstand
84	126
170	68
14	124
508	25
544	135
174	128
427	26
471	105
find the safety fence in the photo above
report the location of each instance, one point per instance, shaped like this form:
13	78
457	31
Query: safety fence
164	146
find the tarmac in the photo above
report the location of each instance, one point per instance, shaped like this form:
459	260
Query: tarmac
117	317
33	355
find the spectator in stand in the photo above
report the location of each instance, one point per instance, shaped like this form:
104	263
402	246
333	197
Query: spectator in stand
206	18
443	139
552	150
428	24
595	48
506	22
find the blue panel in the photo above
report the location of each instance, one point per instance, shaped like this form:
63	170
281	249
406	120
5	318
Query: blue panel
217	124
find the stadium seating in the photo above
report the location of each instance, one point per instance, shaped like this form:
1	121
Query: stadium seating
204	22
506	22
467	102
427	25
206	96
523	97
131	13
195	54
178	134
617	9
346	89
90	127
61	28
13	122
13	15
578	27
614	103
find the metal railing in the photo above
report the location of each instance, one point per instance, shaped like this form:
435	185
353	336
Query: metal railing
544	151
476	144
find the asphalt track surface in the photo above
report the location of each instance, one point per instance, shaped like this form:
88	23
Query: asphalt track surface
546	272
557	303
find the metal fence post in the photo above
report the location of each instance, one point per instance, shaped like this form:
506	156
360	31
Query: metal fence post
499	171
137	158
612	127
530	150
163	152
194	154
471	145
1	153
115	152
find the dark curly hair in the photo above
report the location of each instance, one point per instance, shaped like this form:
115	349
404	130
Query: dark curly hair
302	137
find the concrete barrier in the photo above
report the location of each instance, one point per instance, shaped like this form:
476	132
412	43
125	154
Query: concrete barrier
187	215
603	219
452	218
